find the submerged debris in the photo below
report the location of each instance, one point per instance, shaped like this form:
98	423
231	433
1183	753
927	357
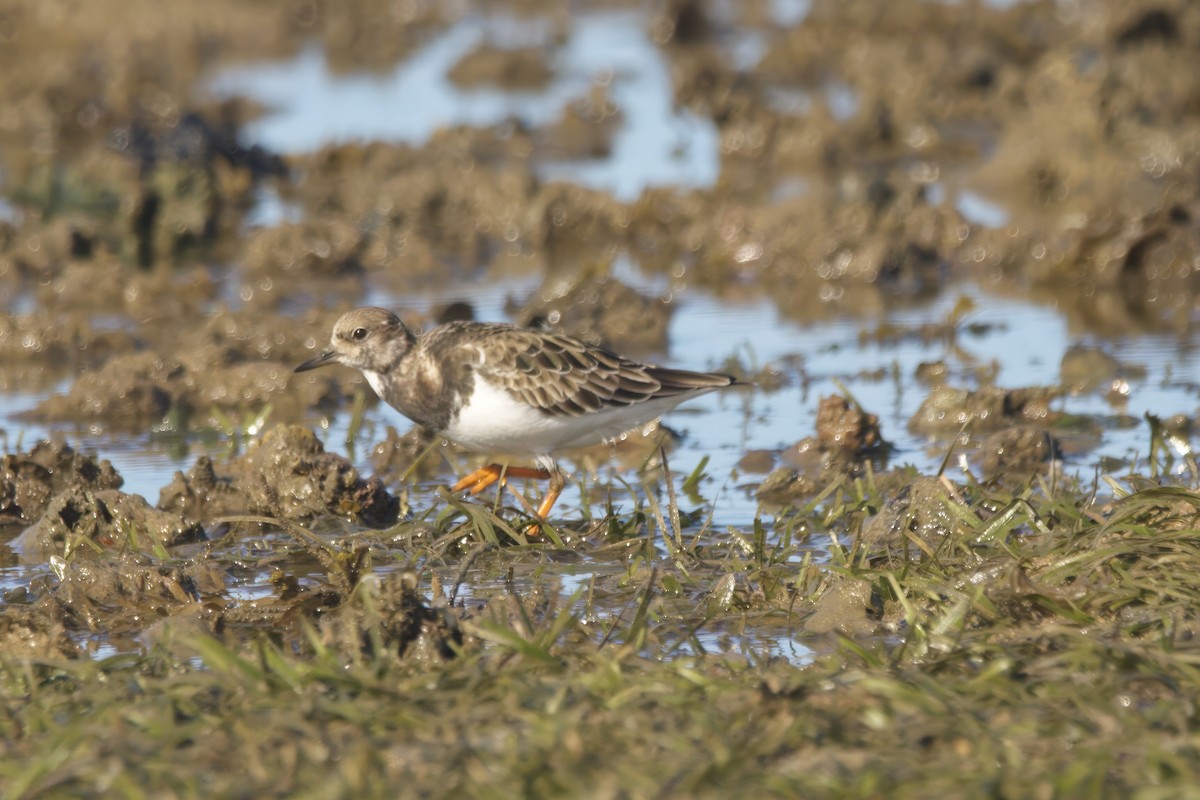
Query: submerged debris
1018	452
128	593
410	454
845	429
844	607
1086	369
29	634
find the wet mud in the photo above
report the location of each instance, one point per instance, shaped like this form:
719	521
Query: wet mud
162	273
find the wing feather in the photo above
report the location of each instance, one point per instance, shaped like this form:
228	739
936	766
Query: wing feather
563	376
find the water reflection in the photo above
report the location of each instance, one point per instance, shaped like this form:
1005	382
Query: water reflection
979	210
656	144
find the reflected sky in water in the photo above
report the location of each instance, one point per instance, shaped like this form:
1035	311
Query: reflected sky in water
656	145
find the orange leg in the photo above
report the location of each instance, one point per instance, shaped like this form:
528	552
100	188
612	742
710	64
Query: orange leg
484	477
479	480
557	483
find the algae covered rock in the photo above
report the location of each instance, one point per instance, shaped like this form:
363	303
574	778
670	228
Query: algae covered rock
920	510
29	480
285	474
79	522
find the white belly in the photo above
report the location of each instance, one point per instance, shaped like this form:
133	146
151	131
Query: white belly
496	422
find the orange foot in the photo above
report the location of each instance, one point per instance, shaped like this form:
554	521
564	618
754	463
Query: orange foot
475	482
557	482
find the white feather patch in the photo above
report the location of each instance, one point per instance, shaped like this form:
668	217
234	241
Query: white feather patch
493	421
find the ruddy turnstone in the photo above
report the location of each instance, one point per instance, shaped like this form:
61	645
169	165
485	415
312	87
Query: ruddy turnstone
496	388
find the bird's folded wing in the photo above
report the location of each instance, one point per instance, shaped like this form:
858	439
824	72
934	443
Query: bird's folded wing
565	377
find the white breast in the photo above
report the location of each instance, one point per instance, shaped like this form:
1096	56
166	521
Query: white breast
376	382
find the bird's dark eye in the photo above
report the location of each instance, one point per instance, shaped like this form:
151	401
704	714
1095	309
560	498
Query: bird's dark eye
359	334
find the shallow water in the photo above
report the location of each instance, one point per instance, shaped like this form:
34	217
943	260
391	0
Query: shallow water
1026	340
659	145
656	145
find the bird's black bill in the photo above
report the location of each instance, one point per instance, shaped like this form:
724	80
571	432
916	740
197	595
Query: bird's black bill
313	363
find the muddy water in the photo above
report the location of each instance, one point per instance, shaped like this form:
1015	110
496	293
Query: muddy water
1025	341
781	207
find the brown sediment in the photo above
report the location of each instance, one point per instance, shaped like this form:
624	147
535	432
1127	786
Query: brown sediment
522	68
918	513
847	438
286	475
948	410
28	481
600	309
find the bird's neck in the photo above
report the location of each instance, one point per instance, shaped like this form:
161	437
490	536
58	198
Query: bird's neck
399	347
